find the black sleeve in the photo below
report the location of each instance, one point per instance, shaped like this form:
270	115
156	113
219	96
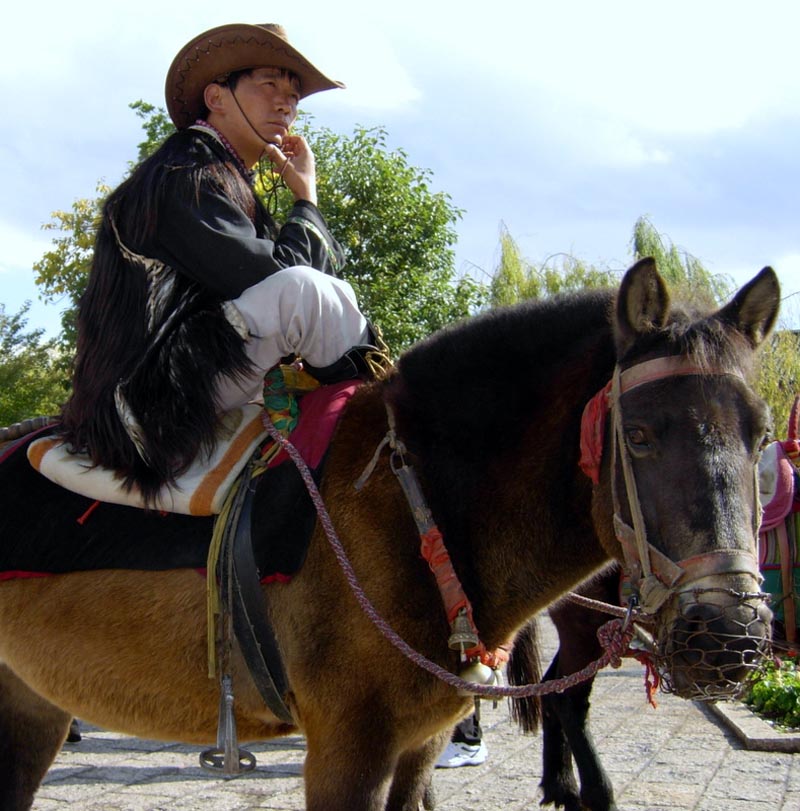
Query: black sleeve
214	242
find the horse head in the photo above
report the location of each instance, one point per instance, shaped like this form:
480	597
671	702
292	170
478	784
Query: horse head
685	431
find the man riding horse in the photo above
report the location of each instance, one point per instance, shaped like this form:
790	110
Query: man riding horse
195	292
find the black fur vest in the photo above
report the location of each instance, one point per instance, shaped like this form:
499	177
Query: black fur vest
152	344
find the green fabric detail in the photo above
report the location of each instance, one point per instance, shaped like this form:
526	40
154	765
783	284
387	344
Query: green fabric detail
281	405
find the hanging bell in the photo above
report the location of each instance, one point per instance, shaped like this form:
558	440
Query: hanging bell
478	673
462	634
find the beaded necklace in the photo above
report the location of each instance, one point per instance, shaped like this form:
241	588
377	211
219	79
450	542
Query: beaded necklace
204	125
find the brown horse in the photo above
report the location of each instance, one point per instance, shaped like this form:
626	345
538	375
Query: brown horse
490	414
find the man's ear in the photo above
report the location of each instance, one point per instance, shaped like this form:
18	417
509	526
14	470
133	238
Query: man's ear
213	96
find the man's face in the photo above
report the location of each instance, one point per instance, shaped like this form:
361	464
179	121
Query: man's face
269	98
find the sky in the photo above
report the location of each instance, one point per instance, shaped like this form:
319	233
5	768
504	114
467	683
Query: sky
562	121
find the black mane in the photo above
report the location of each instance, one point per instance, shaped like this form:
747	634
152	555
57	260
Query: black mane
485	377
467	397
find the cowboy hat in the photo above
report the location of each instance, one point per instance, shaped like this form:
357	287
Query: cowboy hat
229	48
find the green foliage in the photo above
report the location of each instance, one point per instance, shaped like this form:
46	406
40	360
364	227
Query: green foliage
517	279
30	382
774	691
157	128
686	276
779	377
397	233
63	271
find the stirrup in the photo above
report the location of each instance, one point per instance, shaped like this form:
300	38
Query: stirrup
227	757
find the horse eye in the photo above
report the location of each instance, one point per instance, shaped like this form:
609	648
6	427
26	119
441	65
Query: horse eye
636	438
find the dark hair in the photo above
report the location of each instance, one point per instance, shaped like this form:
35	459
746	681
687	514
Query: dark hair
231	80
113	336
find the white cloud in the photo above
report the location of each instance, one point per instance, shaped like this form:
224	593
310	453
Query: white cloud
567	120
21	248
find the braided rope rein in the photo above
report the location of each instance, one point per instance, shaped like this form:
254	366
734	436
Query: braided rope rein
614	637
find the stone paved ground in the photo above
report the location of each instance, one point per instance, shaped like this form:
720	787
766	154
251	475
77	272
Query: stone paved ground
678	757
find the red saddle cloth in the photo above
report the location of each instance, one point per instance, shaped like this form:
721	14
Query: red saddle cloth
319	413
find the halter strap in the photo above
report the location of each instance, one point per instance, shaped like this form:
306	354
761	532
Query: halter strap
660	576
649	371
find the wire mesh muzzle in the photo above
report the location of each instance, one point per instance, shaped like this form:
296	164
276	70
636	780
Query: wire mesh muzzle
708	640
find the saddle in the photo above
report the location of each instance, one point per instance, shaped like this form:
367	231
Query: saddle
52	530
200	490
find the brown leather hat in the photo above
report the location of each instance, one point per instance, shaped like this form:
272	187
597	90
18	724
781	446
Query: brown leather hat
226	49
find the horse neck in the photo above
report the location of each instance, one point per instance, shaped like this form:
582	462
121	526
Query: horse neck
498	459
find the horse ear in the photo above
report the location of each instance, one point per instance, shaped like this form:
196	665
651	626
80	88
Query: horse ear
754	309
642	304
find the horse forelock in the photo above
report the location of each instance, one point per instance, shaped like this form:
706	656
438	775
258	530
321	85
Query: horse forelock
707	341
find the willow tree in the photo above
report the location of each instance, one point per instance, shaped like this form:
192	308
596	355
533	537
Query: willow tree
516	278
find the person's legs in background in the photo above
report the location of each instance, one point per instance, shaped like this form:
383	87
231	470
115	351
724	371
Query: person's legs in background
466	747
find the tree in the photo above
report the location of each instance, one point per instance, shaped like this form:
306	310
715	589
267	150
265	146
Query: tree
516	278
397	233
30	384
684	273
779	377
62	272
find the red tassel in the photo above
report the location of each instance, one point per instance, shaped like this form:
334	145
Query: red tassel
85	517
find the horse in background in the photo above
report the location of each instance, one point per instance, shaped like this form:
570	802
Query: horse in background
564	717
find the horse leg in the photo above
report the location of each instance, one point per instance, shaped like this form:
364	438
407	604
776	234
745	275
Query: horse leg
349	765
32	731
558	782
413	777
578	646
597	793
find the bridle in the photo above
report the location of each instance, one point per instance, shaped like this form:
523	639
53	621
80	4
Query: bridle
654	575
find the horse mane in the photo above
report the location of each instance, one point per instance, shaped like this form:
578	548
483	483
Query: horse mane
472	395
701	336
494	369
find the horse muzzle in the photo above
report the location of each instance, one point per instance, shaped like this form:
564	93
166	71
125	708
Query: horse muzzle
711	636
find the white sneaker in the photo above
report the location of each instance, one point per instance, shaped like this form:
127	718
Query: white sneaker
462	754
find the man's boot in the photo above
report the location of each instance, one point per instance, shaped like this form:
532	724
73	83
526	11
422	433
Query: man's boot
368	361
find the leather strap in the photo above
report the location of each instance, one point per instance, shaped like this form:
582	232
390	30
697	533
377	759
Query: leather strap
251	627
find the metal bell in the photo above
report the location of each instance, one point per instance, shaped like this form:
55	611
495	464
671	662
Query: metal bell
478	673
462	636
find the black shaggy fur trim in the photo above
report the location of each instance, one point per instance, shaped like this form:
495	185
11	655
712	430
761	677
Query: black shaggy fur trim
173	400
168	375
